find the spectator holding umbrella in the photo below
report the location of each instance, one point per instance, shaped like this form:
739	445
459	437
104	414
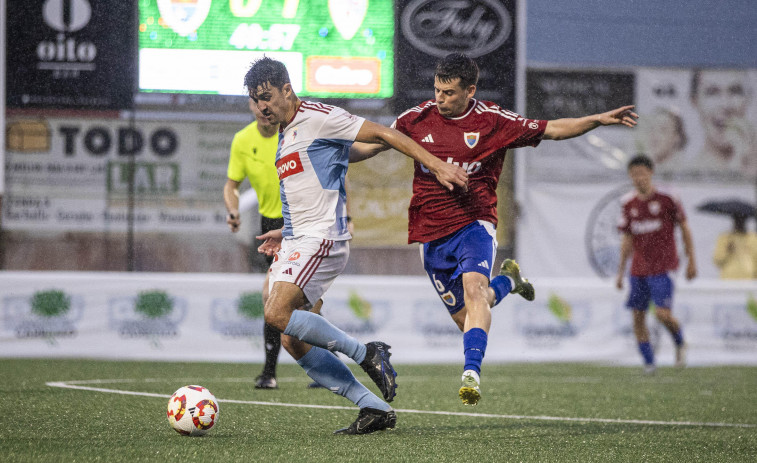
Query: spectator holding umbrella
736	250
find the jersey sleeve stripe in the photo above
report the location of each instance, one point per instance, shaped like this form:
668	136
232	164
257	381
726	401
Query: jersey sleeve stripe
316	107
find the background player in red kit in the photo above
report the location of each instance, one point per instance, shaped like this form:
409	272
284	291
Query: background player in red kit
648	223
457	228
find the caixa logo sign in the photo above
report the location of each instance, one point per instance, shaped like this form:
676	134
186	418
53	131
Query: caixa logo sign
66	53
473	27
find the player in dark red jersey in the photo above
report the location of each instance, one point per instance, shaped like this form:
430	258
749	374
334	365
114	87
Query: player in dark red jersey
648	224
457	228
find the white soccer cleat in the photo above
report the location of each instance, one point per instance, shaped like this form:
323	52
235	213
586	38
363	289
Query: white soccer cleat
681	355
470	393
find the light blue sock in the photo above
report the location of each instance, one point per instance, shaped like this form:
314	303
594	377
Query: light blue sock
502	286
327	370
474	348
317	331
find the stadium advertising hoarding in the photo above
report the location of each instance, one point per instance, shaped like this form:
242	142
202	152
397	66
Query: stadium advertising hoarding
698	125
70	54
162	316
429	30
334	49
72	174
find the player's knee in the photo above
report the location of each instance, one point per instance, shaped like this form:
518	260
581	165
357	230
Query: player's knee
275	315
476	287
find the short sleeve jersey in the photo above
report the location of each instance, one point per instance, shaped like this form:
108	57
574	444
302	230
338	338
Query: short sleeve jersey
254	156
312	163
651	223
477	141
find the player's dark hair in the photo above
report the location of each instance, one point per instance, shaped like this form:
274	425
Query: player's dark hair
265	70
457	65
641	160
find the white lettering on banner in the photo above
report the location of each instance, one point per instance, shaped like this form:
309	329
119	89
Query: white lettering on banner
253	37
640	227
66	56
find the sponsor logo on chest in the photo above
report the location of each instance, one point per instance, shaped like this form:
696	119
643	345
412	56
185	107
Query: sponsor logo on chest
468	167
289	165
641	227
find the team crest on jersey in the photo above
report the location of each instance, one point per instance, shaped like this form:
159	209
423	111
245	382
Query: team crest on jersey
290	136
654	207
471	139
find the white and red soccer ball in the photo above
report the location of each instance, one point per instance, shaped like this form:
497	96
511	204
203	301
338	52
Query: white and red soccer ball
192	411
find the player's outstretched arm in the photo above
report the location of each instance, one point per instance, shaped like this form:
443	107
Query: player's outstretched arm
362	151
561	129
449	175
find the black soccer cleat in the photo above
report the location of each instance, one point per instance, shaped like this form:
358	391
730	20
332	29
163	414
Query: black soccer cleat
378	367
370	420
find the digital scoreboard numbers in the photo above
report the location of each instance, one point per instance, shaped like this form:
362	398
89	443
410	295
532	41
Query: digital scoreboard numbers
332	48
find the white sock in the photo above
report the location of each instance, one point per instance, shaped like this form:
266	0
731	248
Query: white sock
471	373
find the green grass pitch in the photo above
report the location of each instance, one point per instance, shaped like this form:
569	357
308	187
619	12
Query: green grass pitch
529	412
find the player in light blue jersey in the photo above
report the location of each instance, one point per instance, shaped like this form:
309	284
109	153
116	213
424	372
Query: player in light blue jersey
313	246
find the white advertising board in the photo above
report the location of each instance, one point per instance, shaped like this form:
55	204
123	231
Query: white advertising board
198	317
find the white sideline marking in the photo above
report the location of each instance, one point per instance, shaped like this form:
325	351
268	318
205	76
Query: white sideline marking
77	385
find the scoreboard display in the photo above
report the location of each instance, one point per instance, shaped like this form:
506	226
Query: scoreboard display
332	48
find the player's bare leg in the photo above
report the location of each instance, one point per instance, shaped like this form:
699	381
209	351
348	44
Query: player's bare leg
284	299
665	316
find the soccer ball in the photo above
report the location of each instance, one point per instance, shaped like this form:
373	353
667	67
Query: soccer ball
192	411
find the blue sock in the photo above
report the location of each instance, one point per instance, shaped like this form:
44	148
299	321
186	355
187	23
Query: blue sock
317	331
502	287
646	351
678	337
327	370
474	347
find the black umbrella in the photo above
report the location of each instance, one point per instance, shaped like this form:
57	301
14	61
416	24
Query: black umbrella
733	207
